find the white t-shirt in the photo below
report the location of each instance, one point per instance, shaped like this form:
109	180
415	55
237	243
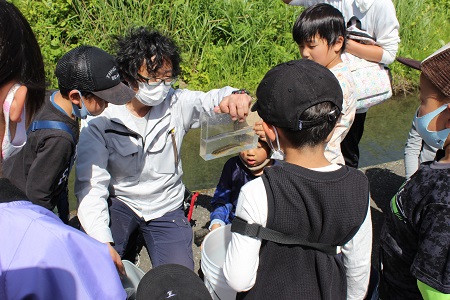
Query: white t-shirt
242	258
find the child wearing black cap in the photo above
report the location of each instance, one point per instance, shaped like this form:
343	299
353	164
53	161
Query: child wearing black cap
415	238
88	79
302	230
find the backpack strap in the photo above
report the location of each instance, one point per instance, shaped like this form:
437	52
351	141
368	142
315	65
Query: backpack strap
257	231
241	226
45	124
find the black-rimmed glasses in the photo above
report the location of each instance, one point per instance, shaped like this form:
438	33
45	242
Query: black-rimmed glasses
155	81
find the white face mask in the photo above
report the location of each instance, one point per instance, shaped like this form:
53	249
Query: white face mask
433	138
152	95
276	154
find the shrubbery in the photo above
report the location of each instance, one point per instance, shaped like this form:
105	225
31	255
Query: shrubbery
228	42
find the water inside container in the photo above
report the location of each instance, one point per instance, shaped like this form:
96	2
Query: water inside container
221	136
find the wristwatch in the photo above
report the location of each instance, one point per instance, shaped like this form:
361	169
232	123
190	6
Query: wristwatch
241	91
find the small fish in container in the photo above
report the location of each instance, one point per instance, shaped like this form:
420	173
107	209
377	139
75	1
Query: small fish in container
221	136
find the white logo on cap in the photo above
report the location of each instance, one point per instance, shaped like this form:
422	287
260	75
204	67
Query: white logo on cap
170	294
111	75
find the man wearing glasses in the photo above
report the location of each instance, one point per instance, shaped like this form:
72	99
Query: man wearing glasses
129	178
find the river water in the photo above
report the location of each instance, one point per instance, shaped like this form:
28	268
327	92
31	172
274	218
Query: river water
386	130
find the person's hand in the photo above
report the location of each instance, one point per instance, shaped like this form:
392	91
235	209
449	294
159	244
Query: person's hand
117	260
237	105
215	226
372	53
258	128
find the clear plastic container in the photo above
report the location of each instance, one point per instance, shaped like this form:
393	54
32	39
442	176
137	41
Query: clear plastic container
220	136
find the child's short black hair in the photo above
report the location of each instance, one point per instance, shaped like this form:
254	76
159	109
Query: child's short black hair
141	44
322	19
313	136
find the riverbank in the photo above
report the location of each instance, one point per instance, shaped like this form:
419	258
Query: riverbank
385	179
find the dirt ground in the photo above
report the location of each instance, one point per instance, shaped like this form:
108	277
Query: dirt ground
385	179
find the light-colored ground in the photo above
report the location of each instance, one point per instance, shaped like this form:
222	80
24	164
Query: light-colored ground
385	179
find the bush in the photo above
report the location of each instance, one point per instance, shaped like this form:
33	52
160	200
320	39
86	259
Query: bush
424	27
52	23
228	42
222	42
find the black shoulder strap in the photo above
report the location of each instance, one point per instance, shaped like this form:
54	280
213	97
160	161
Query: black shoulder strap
257	231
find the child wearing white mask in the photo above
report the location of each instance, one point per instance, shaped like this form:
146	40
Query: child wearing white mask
22	79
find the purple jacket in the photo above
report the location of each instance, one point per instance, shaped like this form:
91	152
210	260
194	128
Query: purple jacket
41	258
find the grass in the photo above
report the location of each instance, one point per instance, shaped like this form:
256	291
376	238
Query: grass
229	42
424	28
223	42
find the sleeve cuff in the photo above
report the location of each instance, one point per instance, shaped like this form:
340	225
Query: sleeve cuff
102	235
216	221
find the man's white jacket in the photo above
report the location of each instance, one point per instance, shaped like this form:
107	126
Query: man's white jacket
114	159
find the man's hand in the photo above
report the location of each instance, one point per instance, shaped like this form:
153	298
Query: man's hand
117	260
372	53
237	105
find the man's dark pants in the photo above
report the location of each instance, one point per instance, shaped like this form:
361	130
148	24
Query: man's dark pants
168	238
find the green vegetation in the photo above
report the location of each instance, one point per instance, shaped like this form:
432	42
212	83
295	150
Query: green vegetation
424	27
229	42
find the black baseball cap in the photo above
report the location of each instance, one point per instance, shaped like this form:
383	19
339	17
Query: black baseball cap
290	88
88	68
172	281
